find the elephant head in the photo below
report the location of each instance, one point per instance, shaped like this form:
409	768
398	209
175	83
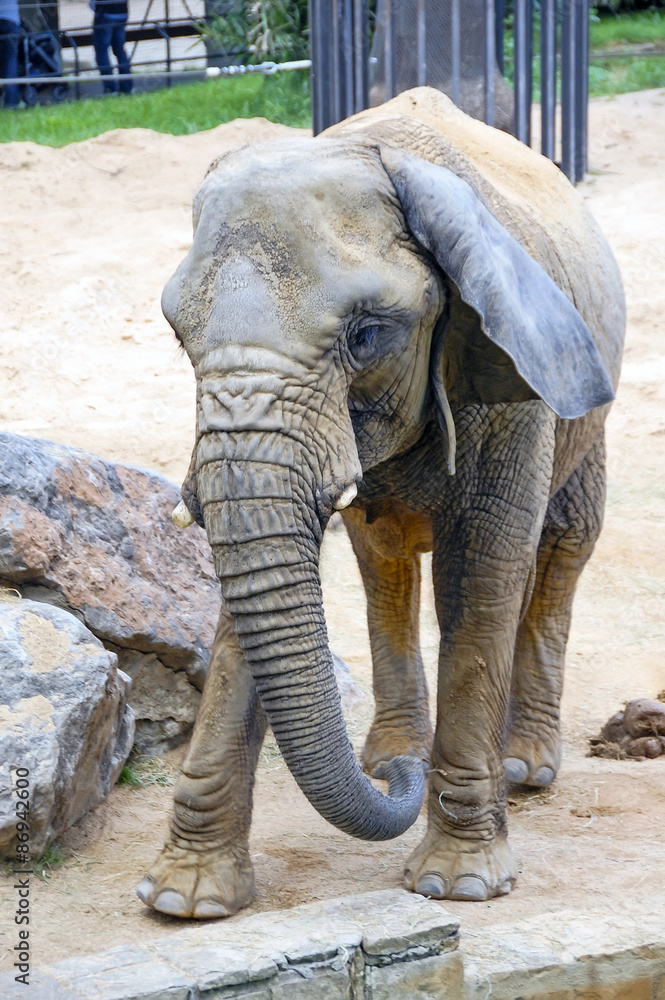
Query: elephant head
315	306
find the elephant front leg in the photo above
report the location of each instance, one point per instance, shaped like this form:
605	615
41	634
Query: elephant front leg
485	544
388	552
572	525
204	869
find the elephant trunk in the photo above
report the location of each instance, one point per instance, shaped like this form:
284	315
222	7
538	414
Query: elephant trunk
265	533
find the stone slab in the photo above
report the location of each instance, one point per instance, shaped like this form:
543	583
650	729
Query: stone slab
569	951
385	945
311	952
439	977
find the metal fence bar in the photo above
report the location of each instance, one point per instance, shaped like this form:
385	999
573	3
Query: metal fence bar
337	110
360	54
548	65
499	17
345	56
569	99
422	44
523	71
490	60
582	90
209	73
389	48
320	73
455	41
168	43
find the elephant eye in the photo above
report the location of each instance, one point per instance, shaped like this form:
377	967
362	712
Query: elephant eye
364	339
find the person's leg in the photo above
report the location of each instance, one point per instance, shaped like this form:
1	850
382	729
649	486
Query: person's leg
9	35
118	46
101	39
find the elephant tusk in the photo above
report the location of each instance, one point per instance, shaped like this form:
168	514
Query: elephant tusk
182	516
347	497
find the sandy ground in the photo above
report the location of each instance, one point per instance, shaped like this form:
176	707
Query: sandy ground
87	359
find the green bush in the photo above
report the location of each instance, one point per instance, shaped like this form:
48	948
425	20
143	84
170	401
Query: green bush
274	30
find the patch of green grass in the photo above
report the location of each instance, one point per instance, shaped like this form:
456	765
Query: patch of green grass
629	34
141	772
177	110
52	858
619	76
616	32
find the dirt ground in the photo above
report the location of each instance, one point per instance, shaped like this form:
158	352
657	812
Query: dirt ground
87	359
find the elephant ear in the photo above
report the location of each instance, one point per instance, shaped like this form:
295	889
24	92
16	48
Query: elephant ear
521	310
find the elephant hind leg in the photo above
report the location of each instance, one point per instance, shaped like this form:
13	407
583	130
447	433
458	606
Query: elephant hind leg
570	531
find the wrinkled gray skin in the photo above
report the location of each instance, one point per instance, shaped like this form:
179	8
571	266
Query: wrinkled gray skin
355	314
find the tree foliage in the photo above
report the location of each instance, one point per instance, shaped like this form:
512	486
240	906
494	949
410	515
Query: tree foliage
273	30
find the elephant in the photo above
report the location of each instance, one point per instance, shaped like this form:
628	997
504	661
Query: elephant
412	319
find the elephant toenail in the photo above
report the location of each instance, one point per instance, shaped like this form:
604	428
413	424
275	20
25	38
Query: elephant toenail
515	770
504	888
171	902
144	890
543	777
432	885
469	887
207	909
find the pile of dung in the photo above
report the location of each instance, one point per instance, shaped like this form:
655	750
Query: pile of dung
638	731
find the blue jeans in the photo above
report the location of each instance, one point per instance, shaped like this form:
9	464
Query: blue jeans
9	34
108	30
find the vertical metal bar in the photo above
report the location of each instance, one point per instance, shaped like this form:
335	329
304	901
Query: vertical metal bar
455	41
335	80
346	57
521	9
547	76
360	54
168	43
499	16
320	26
389	50
568	96
314	21
582	88
490	60
422	44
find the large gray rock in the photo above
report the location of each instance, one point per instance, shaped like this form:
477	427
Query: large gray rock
64	718
96	539
100	536
163	700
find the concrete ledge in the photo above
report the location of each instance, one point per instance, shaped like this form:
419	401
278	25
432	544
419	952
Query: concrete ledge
388	945
569	955
356	946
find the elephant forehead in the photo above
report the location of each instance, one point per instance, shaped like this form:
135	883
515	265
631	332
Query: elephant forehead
296	207
293	241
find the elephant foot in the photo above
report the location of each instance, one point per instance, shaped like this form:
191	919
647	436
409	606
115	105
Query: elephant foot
444	867
204	885
532	760
386	740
